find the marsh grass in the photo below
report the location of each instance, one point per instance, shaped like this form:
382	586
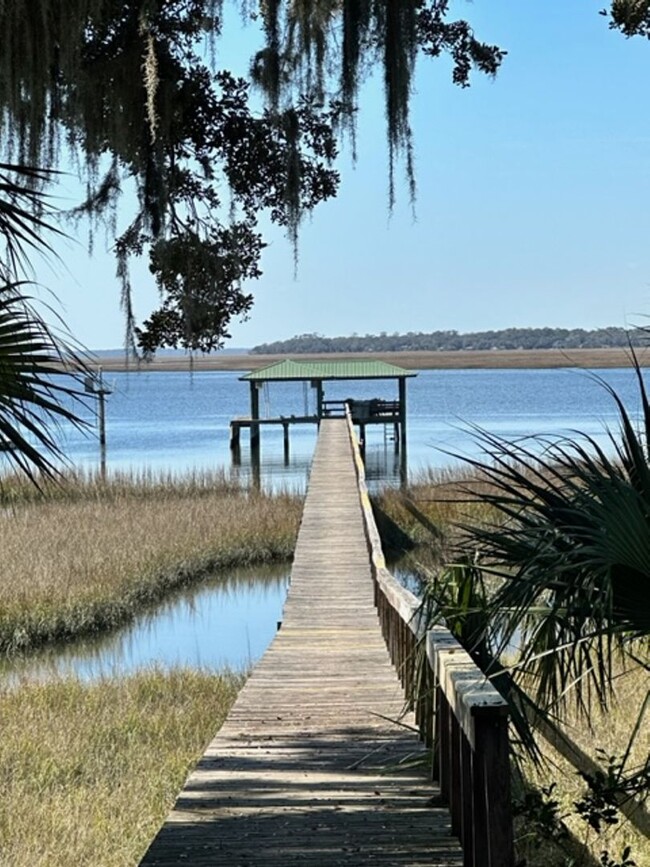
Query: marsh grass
88	772
604	733
81	485
86	556
423	522
451	495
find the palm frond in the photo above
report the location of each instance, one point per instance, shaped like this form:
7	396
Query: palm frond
570	550
41	385
25	214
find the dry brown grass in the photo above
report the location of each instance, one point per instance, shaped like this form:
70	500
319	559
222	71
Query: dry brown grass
430	512
609	731
89	555
524	358
88	772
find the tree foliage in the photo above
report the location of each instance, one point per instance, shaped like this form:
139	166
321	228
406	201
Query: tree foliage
127	88
631	17
454	341
549	588
130	90
569	545
331	46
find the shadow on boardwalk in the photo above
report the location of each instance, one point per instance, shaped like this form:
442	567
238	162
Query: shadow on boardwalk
332	799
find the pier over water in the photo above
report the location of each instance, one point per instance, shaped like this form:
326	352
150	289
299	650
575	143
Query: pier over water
387	414
314	764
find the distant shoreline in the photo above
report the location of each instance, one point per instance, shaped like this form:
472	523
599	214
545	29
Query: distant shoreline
464	360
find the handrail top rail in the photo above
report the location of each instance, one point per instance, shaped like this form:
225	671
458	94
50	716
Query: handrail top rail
407	604
467	689
457	707
341	401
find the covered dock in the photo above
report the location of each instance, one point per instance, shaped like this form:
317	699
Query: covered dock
375	411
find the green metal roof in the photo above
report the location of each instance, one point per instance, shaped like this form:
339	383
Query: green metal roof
300	370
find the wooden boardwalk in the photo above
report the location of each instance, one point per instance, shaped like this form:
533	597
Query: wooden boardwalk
306	769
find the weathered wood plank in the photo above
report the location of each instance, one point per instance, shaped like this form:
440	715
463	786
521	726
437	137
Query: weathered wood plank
309	768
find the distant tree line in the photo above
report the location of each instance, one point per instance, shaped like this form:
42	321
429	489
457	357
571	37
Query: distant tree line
448	341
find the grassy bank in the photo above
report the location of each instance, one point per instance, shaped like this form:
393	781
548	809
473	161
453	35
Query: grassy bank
88	772
421	523
88	556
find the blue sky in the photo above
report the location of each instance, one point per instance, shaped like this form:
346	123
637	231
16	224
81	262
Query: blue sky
533	200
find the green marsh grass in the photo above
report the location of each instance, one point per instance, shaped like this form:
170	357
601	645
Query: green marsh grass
86	556
88	772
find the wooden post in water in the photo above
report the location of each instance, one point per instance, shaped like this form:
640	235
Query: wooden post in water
255	428
235	445
94	384
256	469
285	431
101	395
402	429
318	385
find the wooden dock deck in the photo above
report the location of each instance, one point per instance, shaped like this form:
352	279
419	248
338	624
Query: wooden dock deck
306	769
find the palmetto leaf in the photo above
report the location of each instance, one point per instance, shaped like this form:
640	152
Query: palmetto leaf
40	383
570	547
39	371
24	213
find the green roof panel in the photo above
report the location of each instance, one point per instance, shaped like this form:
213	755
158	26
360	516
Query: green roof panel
302	370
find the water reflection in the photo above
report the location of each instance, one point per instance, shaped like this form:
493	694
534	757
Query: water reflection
274	472
407	577
228	620
382	465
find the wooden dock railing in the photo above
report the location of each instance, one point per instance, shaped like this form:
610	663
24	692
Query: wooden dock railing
460	715
375	410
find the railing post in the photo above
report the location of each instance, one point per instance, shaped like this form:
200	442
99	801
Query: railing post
492	809
455	790
444	751
467	800
413	668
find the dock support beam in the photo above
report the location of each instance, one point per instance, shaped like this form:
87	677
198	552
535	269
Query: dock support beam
235	444
285	432
402	428
318	385
255	414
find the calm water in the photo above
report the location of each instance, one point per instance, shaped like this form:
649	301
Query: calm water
180	422
226	622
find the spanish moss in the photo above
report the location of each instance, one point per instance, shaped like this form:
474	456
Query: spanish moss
129	91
